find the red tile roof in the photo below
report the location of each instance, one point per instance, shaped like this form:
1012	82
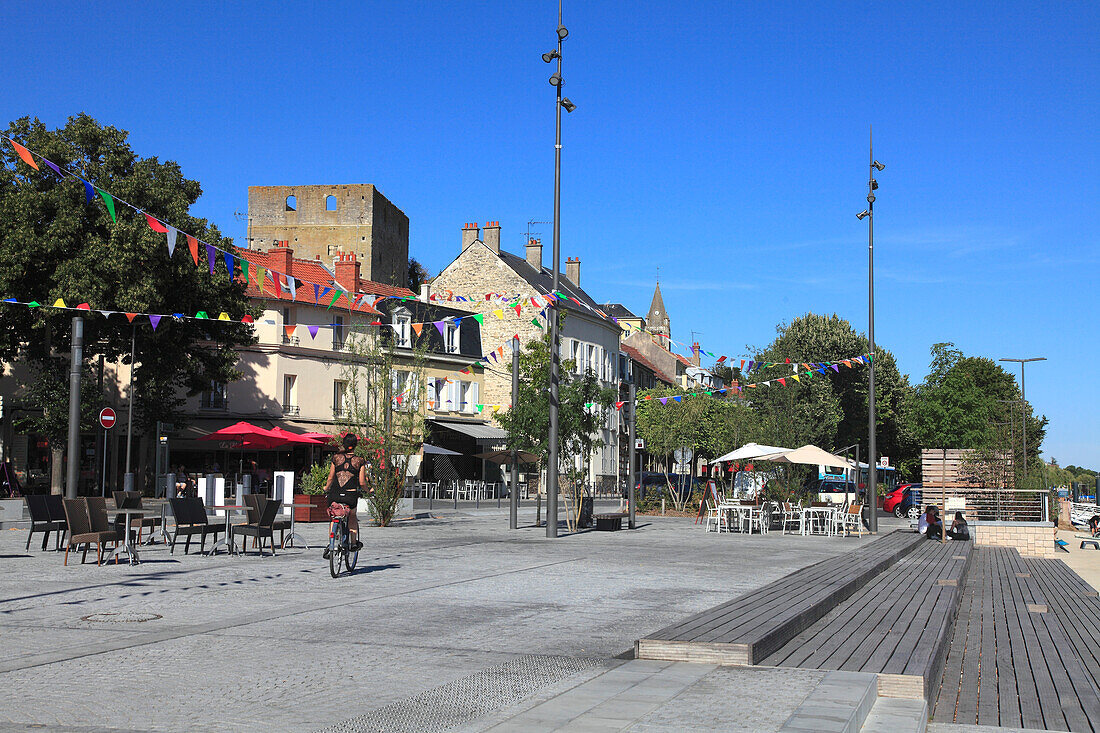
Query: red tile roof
309	272
638	357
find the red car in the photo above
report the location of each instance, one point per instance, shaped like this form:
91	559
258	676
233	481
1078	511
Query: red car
895	497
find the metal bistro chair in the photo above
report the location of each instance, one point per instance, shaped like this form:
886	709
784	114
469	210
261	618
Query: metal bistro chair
264	526
43	520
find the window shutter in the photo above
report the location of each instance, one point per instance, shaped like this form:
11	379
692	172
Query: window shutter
474	396
414	391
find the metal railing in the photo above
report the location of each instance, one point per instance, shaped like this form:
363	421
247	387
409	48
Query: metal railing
995	505
290	409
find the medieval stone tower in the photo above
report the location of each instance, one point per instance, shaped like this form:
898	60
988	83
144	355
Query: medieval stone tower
321	221
657	321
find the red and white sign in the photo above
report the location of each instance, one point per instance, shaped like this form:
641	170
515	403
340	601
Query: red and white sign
107	418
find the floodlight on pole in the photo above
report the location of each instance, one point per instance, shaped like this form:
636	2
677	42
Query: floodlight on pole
567	105
1023	397
550	56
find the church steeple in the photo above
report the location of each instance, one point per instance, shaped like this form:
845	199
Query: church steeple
657	322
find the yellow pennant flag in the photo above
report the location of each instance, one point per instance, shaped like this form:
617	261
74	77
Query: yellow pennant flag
499	314
261	273
496	408
59	303
795	378
223	316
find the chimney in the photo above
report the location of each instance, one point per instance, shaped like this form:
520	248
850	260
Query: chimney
492	236
573	270
695	353
282	257
469	235
347	270
534	253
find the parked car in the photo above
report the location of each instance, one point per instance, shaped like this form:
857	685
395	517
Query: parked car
909	504
892	499
835	491
654	485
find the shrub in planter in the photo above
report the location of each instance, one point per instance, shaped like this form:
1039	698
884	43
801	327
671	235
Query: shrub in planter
313	492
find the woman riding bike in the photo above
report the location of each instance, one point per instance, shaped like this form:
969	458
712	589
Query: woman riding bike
346	475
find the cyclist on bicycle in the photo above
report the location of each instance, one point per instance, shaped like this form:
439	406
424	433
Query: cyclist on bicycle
346	475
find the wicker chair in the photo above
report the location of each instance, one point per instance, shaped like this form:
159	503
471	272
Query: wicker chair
43	520
191	519
82	532
263	527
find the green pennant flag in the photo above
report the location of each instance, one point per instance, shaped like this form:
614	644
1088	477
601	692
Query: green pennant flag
479	318
110	203
335	298
244	269
201	314
536	322
33	304
480	408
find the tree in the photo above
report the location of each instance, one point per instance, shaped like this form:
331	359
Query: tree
831	410
583	408
417	275
55	245
963	401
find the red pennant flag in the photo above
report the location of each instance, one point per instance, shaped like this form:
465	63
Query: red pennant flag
84	307
788	360
782	381
193	245
155	224
518	308
24	154
619	405
247	319
289	329
131	316
742	364
721	359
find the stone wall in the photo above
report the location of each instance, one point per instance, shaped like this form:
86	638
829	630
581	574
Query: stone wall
364	222
1035	539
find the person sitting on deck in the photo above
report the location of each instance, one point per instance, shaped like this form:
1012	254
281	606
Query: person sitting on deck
929	524
960	530
1094	525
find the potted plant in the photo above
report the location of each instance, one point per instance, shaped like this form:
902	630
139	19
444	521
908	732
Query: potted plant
313	492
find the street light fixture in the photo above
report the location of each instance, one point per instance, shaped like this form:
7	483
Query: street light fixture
555	336
872	454
1023	396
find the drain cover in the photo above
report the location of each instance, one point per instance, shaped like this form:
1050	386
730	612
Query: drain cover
121	617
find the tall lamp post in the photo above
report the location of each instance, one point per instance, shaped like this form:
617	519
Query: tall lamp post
556	81
1023	396
872	454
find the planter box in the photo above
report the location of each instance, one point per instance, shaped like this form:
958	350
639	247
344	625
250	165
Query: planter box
11	511
318	513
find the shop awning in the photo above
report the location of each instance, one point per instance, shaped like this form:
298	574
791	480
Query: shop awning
478	431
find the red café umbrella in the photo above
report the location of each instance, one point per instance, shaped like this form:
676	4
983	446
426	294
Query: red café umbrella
300	438
248	435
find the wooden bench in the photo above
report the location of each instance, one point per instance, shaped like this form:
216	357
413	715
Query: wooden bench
898	626
610	522
756	624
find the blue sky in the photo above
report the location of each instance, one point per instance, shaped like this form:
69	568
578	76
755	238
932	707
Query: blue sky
725	143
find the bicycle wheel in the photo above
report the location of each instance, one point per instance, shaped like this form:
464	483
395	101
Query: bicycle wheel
350	557
336	547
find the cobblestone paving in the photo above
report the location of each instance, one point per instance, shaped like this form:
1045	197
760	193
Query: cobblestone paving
275	644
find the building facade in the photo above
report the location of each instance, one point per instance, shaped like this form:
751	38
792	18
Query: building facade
319	221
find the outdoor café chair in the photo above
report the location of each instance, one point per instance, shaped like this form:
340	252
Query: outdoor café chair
43	520
280	524
132	500
851	520
97	512
264	526
191	519
82	531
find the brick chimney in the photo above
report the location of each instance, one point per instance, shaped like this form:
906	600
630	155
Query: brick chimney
695	353
469	235
491	236
347	270
534	253
573	270
282	257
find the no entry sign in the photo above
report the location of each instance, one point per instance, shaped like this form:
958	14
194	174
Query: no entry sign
107	418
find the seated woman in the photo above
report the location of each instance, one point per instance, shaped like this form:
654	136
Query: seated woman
929	524
1094	525
960	530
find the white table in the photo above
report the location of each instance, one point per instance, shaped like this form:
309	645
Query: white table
127	546
227	540
290	537
825	514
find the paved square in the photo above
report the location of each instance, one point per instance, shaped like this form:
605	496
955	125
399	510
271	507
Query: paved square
454	615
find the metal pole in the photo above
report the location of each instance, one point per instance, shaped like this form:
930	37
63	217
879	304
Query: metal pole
130	399
103	481
872	477
513	495
631	474
555	337
1023	411
75	368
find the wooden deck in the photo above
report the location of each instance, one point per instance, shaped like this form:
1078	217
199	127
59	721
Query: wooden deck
897	626
753	626
1026	649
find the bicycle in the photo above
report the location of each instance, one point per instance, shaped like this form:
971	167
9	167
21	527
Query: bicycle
339	547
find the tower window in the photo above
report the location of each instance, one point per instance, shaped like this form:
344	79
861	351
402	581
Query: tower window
292	203
330	203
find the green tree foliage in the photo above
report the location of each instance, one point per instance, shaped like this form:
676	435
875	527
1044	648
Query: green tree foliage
527	422
968	401
706	424
54	245
417	275
831	410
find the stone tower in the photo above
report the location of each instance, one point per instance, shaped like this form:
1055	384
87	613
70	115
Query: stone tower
321	221
657	322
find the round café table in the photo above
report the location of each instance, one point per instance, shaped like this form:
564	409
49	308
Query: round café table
290	537
227	541
127	546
